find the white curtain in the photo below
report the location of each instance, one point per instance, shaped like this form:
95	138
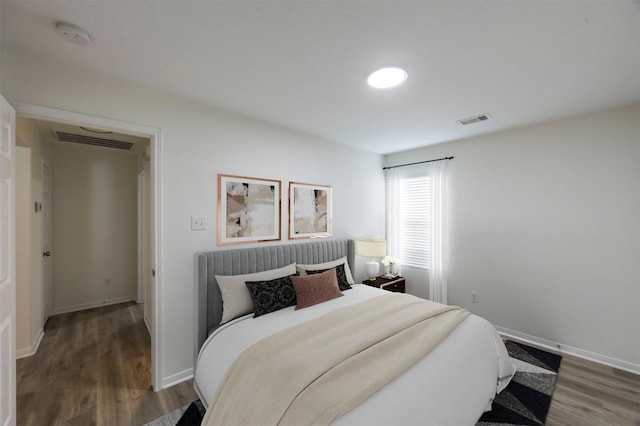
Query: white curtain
438	268
392	177
438	271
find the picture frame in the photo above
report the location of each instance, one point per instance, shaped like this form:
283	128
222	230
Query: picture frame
249	209
310	210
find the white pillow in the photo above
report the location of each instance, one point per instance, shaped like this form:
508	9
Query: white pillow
236	300
302	269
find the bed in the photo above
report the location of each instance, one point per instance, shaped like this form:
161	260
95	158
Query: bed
453	383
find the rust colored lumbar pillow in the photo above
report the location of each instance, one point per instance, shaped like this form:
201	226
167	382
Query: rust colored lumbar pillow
317	288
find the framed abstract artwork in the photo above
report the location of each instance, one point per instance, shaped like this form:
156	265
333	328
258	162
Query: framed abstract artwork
249	209
310	210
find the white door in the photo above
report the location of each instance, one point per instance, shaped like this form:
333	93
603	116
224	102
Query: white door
46	243
7	266
141	238
144	241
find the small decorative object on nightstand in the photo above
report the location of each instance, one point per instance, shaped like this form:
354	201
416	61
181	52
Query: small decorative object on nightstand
396	284
392	266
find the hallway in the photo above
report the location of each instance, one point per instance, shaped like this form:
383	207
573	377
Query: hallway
93	368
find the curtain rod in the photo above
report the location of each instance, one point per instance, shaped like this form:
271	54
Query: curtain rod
417	162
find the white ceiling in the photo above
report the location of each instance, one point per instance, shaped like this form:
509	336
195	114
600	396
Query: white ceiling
303	64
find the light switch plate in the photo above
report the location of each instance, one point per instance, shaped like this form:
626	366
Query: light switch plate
198	223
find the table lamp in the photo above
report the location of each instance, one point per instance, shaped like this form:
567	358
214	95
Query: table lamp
372	249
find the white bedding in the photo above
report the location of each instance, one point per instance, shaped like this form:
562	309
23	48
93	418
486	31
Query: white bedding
451	385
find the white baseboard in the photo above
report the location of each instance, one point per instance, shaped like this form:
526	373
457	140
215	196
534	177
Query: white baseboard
570	350
174	379
31	350
91	305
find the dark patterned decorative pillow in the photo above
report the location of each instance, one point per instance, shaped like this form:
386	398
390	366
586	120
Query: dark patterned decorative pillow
272	295
343	283
316	288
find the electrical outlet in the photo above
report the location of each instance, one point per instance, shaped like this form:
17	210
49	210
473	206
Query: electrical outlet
198	223
475	298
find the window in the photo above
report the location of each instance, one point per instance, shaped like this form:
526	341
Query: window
416	220
414	228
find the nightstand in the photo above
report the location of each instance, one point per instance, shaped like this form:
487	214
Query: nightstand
396	284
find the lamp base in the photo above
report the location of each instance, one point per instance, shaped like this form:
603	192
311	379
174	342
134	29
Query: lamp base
372	269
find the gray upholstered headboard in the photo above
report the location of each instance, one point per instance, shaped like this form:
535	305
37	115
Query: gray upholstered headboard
249	260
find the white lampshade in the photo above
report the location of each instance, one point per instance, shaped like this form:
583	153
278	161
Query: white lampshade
371	248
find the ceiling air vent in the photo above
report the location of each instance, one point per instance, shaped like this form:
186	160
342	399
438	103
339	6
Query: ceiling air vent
475	119
92	140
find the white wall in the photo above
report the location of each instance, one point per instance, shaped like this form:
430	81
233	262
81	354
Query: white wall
94	226
545	226
29	228
23	204
417	281
198	142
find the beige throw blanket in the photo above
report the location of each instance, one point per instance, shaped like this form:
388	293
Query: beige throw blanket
313	373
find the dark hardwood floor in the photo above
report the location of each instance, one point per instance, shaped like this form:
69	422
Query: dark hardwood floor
93	368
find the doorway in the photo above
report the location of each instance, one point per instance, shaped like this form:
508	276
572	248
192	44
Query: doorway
153	137
46	242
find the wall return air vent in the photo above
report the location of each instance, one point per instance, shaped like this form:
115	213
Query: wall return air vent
475	119
92	140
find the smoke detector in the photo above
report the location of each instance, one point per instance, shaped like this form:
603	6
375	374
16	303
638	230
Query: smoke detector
73	33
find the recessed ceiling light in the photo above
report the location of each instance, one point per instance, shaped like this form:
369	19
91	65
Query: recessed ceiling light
73	33
387	77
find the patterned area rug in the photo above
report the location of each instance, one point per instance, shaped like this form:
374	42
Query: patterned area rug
525	401
188	415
